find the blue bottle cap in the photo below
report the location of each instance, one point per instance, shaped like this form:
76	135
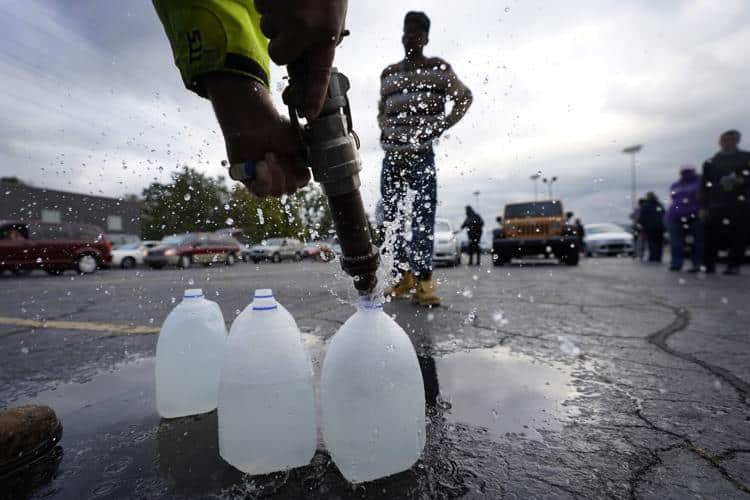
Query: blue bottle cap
193	293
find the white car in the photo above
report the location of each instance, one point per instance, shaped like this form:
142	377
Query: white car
447	249
129	255
277	249
607	239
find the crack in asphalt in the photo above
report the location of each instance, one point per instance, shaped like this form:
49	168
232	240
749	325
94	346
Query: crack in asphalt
569	491
659	339
687	444
682	320
731	453
654	460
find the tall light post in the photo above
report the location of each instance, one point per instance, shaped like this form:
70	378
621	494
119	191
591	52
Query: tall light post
632	151
476	200
535	178
549	183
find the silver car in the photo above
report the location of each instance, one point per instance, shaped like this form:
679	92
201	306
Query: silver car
607	239
447	249
277	249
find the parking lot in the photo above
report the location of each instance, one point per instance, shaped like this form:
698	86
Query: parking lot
609	379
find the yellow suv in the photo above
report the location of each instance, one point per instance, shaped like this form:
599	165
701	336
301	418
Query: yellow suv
536	228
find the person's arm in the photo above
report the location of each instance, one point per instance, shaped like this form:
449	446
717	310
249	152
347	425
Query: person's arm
223	56
461	96
381	113
381	109
704	192
209	36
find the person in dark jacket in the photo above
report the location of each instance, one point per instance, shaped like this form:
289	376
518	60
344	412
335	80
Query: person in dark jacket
725	202
580	232
473	224
638	236
683	220
651	220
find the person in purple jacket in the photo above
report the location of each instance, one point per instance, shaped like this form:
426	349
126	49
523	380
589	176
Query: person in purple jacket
683	219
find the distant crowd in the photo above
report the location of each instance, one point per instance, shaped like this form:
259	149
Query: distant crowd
709	212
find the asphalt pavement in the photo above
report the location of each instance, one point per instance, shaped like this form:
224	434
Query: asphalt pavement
611	379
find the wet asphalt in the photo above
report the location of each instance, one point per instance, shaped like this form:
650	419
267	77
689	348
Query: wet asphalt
612	379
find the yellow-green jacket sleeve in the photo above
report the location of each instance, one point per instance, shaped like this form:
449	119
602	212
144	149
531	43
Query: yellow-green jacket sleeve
214	35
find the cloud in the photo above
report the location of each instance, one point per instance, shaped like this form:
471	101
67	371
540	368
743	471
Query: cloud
94	103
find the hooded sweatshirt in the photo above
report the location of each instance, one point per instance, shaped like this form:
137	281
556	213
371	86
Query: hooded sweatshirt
685	194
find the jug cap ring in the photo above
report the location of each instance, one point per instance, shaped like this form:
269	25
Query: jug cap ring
264	308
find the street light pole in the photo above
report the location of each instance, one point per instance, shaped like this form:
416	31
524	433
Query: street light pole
476	197
632	151
549	183
535	179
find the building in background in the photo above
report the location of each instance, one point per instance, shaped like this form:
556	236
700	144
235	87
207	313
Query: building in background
120	219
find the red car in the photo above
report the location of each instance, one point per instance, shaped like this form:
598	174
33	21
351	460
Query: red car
184	250
52	247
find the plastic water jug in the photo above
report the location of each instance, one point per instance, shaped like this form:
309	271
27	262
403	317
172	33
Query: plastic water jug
267	419
189	354
372	397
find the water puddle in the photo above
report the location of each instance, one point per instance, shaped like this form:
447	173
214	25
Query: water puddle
503	391
115	445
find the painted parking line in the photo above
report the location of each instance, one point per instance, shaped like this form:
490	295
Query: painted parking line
79	325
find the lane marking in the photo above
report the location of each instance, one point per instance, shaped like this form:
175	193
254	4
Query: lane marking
79	325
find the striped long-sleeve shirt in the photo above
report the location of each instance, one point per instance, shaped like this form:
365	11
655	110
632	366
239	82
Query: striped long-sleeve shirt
413	98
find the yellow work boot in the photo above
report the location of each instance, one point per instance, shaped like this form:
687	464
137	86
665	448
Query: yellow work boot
425	294
403	288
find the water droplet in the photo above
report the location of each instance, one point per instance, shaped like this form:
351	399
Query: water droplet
187	197
499	317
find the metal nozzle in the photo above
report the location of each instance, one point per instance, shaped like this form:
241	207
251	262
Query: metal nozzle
331	149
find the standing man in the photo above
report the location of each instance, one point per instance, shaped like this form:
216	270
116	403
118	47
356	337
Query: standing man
651	219
638	234
683	221
580	233
473	225
725	200
412	114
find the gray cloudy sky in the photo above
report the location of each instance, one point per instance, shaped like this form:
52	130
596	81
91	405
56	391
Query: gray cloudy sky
92	102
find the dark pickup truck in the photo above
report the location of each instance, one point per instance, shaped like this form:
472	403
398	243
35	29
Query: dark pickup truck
25	246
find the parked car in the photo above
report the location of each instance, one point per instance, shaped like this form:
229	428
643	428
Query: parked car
277	249
129	255
318	250
184	250
25	246
245	241
607	239
447	249
536	228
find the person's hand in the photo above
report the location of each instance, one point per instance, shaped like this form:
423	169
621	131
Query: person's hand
254	131
306	31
